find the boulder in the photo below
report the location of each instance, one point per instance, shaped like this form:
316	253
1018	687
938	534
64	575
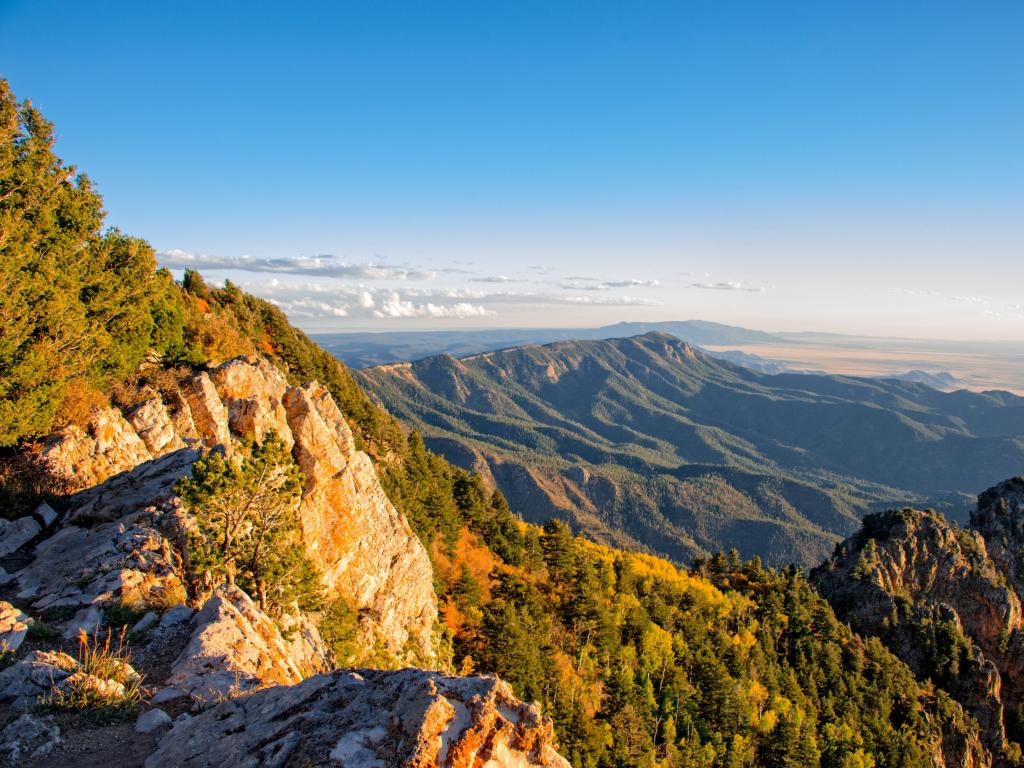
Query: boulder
179	614
22	683
86	620
14	534
235	647
29	737
13	627
146	622
46	514
370	718
153	720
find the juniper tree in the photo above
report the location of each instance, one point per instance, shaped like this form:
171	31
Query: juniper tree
247	526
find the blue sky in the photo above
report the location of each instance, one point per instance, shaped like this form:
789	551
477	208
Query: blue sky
842	166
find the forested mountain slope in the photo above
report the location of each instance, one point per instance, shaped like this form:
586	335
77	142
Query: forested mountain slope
648	441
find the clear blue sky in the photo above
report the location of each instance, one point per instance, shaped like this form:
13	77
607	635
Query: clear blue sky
847	166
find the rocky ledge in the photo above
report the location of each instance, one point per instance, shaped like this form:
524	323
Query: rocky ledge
367	719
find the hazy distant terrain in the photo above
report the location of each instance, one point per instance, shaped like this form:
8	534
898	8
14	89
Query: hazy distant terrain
976	365
362	350
945	365
646	441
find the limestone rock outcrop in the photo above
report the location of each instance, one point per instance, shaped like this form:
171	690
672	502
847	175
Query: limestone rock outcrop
235	647
362	545
383	570
208	414
127	561
251	390
87	457
368	719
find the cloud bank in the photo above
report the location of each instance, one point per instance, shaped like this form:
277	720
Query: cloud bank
324	265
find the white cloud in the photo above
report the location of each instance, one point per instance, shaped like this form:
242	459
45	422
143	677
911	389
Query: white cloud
728	286
552	299
394	306
324	265
493	279
592	284
311	309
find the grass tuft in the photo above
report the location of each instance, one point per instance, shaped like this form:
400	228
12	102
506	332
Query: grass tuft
104	684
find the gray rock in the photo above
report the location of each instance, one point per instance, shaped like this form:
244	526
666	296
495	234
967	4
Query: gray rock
13	627
131	490
47	514
166	694
5	577
179	614
375	718
29	737
235	648
152	721
14	534
22	683
81	567
86	620
147	621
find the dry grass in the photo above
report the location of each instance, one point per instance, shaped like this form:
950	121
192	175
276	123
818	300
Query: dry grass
103	683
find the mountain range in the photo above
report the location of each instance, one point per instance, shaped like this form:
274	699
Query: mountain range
647	442
365	349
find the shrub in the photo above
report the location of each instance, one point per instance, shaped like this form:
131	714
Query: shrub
338	626
247	525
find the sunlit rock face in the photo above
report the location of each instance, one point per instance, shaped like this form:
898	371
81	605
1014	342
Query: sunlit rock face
362	545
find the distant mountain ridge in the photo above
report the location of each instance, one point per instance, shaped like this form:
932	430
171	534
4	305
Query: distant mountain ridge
647	441
365	349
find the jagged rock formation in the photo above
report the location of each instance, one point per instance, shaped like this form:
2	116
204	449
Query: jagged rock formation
947	600
235	647
368	719
352	532
129	561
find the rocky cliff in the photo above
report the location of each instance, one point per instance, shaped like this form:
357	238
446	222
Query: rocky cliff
247	688
946	599
364	548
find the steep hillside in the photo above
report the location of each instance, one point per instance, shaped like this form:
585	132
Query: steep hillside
647	441
945	599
